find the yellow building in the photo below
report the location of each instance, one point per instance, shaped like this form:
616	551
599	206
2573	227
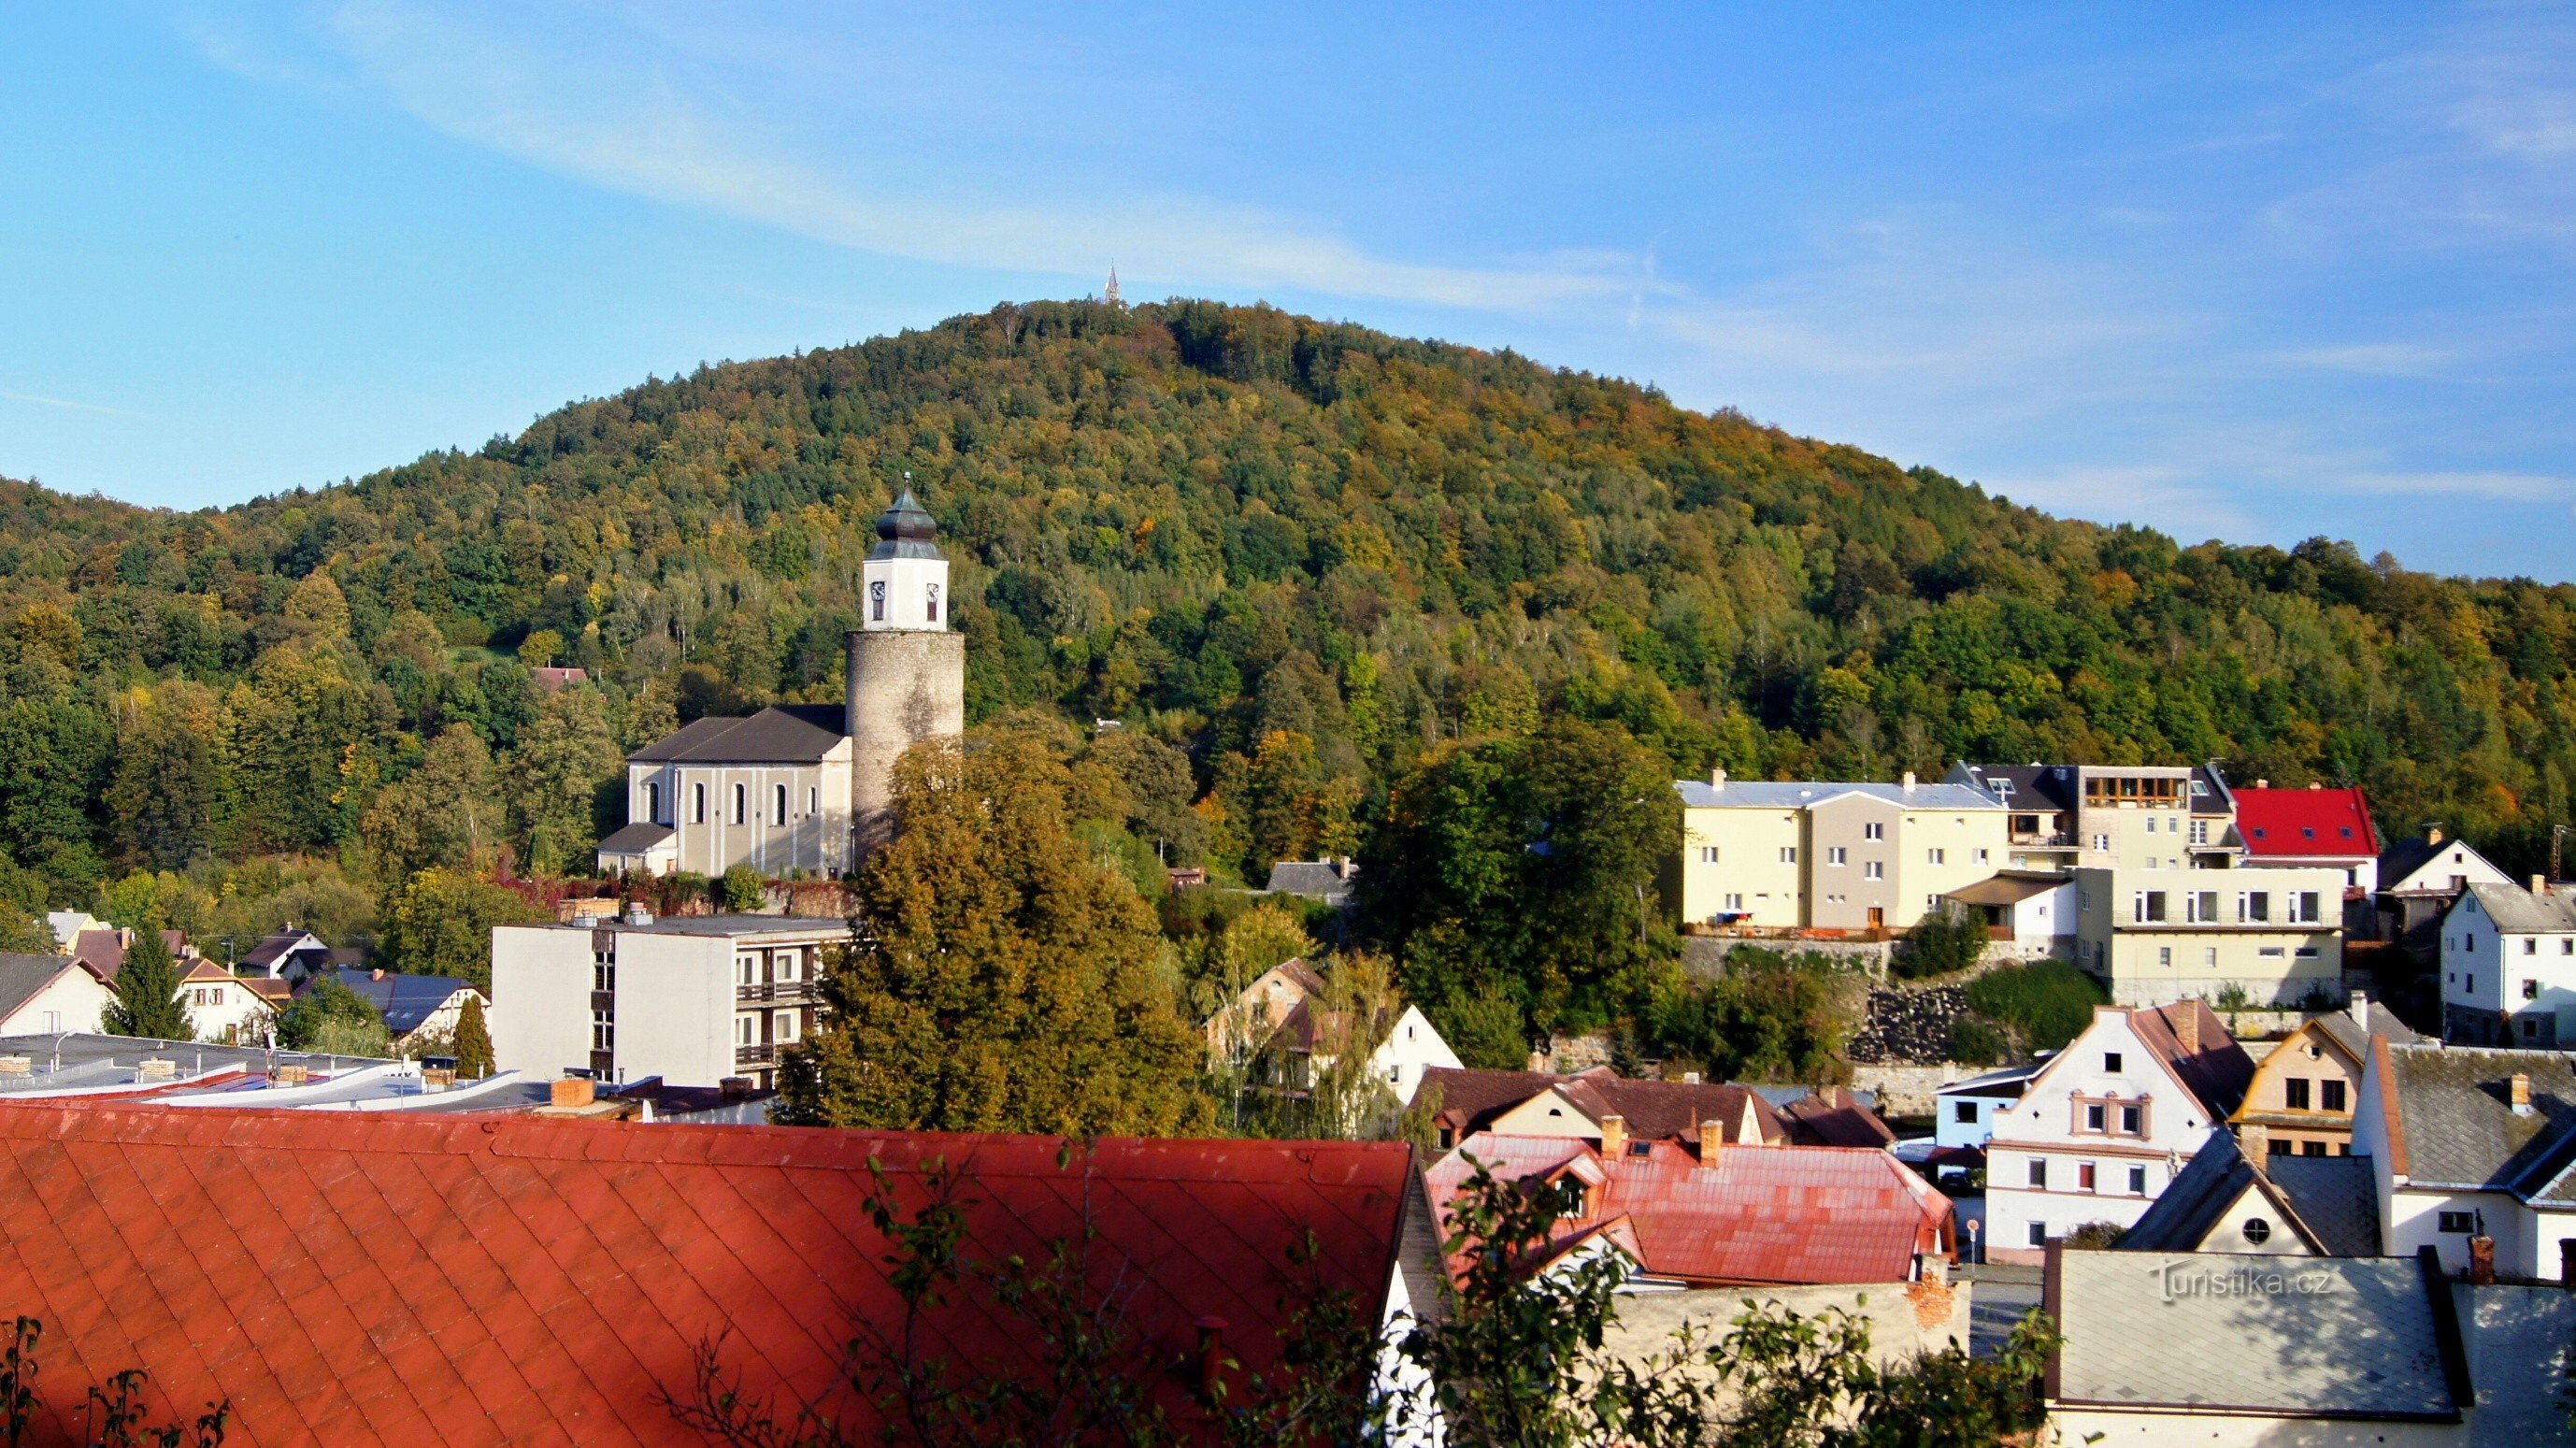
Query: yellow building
1828	855
2155	936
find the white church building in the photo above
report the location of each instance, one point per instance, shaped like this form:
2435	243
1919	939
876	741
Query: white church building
804	788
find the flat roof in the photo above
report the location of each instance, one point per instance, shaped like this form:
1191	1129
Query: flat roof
729	925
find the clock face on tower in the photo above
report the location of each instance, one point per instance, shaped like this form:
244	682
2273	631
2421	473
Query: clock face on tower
876	600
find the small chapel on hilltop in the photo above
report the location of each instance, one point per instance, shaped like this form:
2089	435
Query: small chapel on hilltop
808	786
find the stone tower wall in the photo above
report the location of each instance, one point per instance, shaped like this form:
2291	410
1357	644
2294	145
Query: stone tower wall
905	686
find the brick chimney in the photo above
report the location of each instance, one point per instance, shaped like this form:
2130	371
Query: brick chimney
2254	1143
1614	1135
2517	1093
1909	779
2185	1021
1712	1140
2482	1261
1717	777
2432	834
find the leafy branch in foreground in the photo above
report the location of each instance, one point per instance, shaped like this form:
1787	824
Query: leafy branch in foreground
113	1411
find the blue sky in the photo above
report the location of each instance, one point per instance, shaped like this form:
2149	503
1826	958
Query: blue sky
2253	272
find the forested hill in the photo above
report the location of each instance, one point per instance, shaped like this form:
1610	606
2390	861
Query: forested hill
1305	552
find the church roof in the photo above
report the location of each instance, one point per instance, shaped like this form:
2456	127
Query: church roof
907	530
779	734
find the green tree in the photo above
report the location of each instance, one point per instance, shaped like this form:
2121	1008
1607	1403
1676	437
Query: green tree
167	786
565	754
441	924
147	992
473	1040
442	815
331	1018
1942	946
1001	980
742	889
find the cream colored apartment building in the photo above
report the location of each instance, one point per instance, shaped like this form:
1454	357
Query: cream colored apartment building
2157	936
1828	855
2062	817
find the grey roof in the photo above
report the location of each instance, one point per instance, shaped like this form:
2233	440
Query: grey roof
779	734
2328	1201
906	530
2033	786
2010	1081
276	947
2322	1337
2219	800
2349	1035
21	976
634	839
1317	878
2405	857
405	1001
2519	912
2454	1125
1796	794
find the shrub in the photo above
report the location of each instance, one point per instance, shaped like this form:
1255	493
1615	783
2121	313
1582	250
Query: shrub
2096	1236
2046	1003
1973	1042
1941	946
744	890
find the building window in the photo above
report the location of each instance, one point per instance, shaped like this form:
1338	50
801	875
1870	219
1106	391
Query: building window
2295	1092
2039	1172
1873	870
697	804
2270	952
2531	990
813	801
1735	901
2199	830
2111	1062
1873	831
1708	854
2462	1222
2254	905
2530	1028
2257	1231
2305	952
2469	983
2209	956
2530	946
1834	855
2164	955
603	973
746	969
783	1026
2137	1181
1964	1112
1936	857
1788	854
2084	1177
743	1033
2038	1235
2567	946
741	804
603	1031
2200	907
2304	908
932	613
2093	1116
779	798
2130	1120
876	601
2331	1094
652	803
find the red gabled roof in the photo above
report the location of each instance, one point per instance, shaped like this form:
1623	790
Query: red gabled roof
1770	1214
477	1280
1471	1099
2296	822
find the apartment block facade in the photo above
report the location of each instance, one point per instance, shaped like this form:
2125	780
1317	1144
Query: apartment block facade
2065	817
1828	855
693	999
2154	936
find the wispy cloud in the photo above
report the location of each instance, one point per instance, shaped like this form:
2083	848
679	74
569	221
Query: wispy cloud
66	404
624	124
2507	487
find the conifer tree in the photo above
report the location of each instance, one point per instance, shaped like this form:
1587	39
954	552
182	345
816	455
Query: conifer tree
147	992
1000	979
473	1041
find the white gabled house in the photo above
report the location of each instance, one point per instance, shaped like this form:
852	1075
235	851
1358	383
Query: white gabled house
2101	1129
2509	966
2465	1144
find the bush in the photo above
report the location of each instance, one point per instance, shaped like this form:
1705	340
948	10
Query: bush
744	890
1485	1029
1975	1043
2096	1236
1768	1017
2046	1003
1941	946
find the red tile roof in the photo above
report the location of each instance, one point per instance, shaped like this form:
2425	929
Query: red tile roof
2302	822
1833	1116
1774	1214
509	1280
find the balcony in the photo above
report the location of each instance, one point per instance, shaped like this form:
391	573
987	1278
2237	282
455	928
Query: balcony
2042	839
777	992
761	1055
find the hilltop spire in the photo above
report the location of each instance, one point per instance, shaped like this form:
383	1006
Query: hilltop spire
1111	295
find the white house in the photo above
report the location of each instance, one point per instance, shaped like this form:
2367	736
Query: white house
1965	1111
693	1000
2420	878
2509	965
48	995
1409	1050
2107	1122
234	1009
1285	1007
2467	1143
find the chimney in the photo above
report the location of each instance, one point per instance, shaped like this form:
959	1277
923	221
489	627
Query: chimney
2517	1093
1909	779
376	974
1717	777
2482	1261
573	1091
2186	1027
2262	784
2432	834
2312	784
2361	1010
1712	1140
1614	1135
2254	1143
2540	885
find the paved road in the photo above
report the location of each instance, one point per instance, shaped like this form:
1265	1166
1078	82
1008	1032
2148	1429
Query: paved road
2002	1296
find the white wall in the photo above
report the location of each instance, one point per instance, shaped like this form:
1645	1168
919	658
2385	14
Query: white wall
2112	1428
2042	1126
1412	1048
71	1001
675	1007
540	1019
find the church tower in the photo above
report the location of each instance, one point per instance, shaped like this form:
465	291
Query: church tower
907	671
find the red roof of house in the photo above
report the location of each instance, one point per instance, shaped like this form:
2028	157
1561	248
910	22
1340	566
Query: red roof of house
2296	822
503	1280
1471	1099
1776	1214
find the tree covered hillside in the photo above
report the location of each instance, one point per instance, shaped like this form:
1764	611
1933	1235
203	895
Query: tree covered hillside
1304	554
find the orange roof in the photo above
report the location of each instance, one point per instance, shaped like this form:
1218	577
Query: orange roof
502	1280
